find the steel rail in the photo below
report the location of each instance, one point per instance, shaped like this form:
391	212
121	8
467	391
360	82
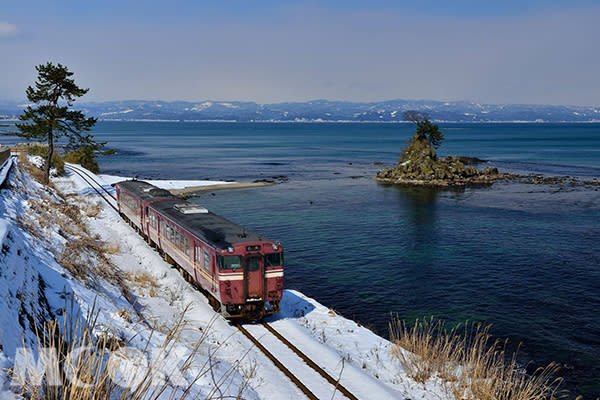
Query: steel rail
84	172
310	362
82	176
277	363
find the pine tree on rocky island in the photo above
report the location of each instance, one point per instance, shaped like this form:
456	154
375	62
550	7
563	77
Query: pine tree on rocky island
425	129
419	164
52	117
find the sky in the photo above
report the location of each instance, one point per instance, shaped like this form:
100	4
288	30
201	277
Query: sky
525	52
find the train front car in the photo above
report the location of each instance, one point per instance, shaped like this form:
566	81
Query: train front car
240	270
251	279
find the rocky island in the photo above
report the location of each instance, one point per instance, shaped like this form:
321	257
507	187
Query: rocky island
419	164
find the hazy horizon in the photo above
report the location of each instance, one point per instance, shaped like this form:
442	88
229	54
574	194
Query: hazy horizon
83	100
514	52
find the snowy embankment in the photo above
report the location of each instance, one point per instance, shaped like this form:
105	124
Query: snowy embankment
149	299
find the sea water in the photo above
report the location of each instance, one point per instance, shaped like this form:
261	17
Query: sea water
524	258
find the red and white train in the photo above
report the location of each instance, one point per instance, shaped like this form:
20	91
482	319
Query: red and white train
240	270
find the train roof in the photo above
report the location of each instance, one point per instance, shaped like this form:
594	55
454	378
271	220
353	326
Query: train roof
145	191
207	226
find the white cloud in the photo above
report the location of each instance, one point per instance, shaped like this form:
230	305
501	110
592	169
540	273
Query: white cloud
7	29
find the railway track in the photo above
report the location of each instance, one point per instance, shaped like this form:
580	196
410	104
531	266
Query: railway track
94	184
335	384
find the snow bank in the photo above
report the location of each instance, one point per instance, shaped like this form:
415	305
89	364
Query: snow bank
5	169
33	286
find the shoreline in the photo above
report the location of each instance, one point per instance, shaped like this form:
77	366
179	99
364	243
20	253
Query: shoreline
326	121
191	191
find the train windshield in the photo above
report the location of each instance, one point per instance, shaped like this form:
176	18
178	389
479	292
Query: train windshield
230	262
273	259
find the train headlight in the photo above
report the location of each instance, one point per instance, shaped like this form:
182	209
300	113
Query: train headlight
275	247
230	249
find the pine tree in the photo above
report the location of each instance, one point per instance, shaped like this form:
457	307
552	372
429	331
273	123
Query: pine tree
52	117
425	129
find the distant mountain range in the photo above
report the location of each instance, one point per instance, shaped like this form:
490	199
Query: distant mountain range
323	111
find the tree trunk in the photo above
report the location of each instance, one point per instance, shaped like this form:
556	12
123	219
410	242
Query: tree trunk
49	158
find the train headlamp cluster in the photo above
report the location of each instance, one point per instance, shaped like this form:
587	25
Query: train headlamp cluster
230	249
275	247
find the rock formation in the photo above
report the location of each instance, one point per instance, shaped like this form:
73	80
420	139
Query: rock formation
419	166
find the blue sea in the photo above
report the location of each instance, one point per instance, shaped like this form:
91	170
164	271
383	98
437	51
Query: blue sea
524	258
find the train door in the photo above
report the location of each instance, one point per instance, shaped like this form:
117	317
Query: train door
254	277
141	209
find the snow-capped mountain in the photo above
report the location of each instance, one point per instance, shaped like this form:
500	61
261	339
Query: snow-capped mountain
325	110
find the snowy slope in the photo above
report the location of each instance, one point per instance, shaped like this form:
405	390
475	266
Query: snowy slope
32	284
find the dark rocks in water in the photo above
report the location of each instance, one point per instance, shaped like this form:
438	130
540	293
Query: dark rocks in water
280	178
593	182
550	180
490	171
465	160
377	163
420	166
274	179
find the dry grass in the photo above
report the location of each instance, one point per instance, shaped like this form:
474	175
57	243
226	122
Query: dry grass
85	257
83	254
32	170
467	361
92	210
144	280
125	314
111	248
99	367
88	207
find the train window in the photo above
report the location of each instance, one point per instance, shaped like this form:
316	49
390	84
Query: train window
206	261
198	254
187	247
253	263
177	239
273	259
230	262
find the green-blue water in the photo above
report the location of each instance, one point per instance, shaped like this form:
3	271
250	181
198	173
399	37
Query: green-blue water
523	258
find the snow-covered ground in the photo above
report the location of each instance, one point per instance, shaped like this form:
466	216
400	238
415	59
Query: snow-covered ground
163	183
33	287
